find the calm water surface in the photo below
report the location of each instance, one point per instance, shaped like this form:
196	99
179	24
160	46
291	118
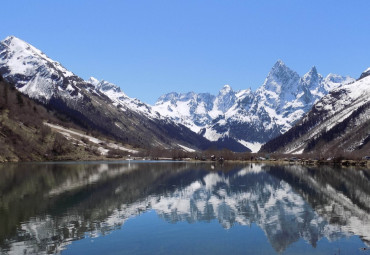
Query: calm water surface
182	208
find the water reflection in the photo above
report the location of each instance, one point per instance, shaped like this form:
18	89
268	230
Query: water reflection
44	207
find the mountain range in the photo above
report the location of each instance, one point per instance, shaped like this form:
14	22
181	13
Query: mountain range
251	117
237	120
95	105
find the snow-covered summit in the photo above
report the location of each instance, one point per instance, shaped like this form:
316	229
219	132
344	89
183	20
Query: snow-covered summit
225	89
281	79
104	85
194	110
22	57
312	79
33	72
333	81
42	78
94	81
365	73
225	99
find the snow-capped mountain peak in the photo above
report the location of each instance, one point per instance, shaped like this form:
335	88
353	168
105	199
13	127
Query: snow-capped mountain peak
333	81
365	73
279	64
103	85
42	78
167	97
281	79
18	51
311	86
280	67
225	99
312	78
225	90
106	86
34	73
93	81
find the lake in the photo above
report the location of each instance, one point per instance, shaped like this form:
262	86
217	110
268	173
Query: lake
183	208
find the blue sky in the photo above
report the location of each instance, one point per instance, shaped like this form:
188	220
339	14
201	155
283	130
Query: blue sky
149	48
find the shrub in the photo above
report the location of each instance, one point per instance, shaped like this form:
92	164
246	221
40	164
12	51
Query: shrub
44	132
116	153
85	140
61	145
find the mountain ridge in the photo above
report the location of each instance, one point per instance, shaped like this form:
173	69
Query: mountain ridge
102	107
338	123
237	120
251	117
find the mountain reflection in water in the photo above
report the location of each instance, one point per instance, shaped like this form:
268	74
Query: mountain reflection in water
44	207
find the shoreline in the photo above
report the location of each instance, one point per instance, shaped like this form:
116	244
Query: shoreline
340	163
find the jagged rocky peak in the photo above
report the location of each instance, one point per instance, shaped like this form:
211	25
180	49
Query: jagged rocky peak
206	97
174	97
280	68
334	78
187	96
106	86
313	71
93	81
167	97
333	81
226	98
312	79
225	90
365	73
281	78
103	85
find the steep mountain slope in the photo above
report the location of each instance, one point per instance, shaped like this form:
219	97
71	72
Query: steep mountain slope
252	118
94	105
23	135
339	122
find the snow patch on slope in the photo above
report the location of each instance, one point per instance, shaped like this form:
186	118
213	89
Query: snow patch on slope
67	132
254	147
